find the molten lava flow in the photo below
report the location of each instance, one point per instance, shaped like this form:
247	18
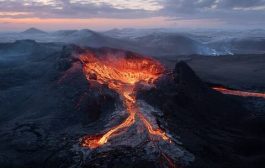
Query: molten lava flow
238	93
121	74
151	130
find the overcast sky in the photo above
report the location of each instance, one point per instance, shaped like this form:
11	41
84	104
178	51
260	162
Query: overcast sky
107	14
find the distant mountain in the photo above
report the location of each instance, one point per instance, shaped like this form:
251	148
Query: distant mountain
149	43
130	33
33	31
90	38
64	32
154	42
163	43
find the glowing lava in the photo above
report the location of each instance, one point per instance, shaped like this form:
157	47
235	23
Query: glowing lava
121	73
239	93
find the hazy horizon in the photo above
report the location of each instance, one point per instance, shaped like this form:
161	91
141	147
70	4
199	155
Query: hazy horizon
133	28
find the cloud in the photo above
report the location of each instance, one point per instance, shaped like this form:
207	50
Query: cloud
230	12
80	8
202	5
238	12
149	5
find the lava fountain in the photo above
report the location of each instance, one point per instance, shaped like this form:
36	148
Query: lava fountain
121	73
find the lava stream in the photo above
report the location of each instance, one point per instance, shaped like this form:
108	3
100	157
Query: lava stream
121	74
238	92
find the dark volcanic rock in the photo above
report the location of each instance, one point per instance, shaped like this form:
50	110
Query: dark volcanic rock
212	126
47	105
183	93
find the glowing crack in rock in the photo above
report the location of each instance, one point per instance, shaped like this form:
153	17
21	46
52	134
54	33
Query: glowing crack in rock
238	92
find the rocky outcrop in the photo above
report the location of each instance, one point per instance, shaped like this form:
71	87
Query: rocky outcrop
212	126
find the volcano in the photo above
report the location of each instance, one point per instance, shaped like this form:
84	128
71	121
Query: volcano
122	72
156	109
74	106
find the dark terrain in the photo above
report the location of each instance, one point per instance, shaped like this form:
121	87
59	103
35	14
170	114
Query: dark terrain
236	71
216	128
47	105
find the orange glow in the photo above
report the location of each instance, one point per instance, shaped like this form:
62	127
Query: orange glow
121	74
238	93
77	23
153	131
98	140
9	23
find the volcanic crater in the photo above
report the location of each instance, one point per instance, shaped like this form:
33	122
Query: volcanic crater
125	73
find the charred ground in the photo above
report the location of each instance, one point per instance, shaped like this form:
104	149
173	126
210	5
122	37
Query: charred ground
47	104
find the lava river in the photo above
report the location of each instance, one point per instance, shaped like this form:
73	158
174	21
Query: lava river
238	92
121	74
